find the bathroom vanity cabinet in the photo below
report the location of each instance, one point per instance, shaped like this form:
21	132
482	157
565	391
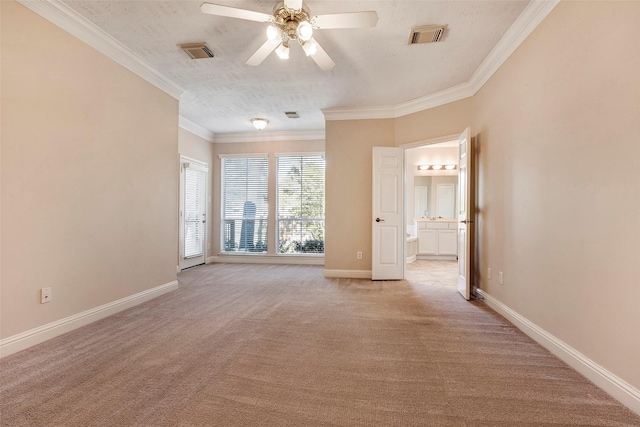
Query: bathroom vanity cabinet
437	239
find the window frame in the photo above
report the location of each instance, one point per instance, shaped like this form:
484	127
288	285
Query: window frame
223	205
277	218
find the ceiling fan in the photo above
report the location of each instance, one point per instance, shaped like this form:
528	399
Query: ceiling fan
292	21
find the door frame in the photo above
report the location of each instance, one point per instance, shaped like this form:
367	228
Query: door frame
185	159
423	143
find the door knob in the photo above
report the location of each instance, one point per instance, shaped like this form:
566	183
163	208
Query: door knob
379	220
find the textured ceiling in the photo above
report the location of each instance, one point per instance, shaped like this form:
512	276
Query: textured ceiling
374	66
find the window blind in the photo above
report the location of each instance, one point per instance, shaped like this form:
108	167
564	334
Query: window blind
244	204
300	204
194	212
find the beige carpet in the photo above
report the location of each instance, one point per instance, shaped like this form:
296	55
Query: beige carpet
251	345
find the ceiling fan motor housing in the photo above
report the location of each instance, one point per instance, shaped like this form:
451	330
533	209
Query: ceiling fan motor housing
288	20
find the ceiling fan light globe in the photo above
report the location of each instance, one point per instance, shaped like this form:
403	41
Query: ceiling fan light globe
283	51
274	34
304	31
310	47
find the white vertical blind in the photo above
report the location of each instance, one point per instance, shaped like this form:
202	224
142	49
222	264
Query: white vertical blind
300	203
194	211
244	204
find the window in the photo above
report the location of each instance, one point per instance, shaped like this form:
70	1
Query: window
244	204
300	204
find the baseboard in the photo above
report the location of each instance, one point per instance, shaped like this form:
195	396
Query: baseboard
411	259
266	259
348	274
24	340
437	257
627	394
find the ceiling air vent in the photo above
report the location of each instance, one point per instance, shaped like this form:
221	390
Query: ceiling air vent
427	34
197	50
292	114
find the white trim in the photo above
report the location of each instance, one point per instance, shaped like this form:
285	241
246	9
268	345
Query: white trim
529	19
411	259
366	113
524	25
437	257
606	380
438	140
196	129
186	160
262	136
266	259
78	26
446	96
301	154
348	274
243	155
43	333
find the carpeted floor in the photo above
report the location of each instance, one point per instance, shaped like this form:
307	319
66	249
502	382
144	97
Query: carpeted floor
265	345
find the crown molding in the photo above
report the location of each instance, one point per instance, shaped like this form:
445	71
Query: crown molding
262	136
524	25
452	94
196	129
529	19
78	26
365	113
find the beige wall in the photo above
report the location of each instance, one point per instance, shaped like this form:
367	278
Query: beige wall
198	148
89	176
558	194
349	166
271	149
449	119
348	189
558	128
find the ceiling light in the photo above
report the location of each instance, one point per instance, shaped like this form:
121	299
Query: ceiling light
436	167
310	47
259	123
274	34
304	31
450	167
283	51
423	167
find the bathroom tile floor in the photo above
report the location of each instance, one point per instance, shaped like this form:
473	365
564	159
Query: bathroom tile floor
433	272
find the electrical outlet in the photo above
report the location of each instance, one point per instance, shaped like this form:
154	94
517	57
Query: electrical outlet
45	295
500	278
359	254
489	273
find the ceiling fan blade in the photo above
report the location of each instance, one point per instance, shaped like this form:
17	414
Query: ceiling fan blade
293	4
347	20
232	12
262	53
321	58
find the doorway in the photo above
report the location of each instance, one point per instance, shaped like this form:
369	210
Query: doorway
431	223
193	212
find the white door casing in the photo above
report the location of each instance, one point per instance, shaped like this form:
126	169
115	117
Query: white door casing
193	212
388	241
465	214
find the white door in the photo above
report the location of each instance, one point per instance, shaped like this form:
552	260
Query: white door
465	215
193	213
387	258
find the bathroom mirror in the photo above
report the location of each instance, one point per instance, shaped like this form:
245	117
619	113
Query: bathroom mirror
445	199
421	200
